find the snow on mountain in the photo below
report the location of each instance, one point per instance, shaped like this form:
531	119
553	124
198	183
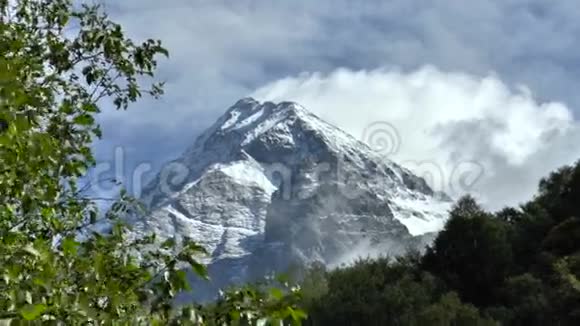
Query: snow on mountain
271	184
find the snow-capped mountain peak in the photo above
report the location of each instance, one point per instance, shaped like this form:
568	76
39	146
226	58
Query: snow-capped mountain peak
274	182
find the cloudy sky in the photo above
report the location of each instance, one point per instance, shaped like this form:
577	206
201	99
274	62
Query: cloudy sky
479	98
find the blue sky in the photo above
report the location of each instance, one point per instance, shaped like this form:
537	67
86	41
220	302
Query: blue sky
490	82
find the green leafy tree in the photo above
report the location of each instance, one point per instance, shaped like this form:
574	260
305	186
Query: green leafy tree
526	233
559	192
528	300
519	266
564	238
449	310
566	298
472	254
58	62
388	292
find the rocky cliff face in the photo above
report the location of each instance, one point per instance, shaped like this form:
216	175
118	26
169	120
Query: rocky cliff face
272	184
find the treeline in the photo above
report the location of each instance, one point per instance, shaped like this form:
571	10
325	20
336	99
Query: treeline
518	266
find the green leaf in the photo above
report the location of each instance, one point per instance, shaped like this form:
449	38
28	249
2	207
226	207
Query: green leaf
199	269
169	243
70	246
163	51
276	293
282	278
297	314
193	248
32	311
97	131
182	283
90	107
84	120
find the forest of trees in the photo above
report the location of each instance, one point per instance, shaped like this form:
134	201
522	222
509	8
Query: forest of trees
518	266
59	62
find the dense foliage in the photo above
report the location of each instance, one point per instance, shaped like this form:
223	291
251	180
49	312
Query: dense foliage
59	61
518	266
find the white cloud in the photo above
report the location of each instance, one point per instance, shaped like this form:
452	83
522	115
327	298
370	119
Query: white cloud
448	124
